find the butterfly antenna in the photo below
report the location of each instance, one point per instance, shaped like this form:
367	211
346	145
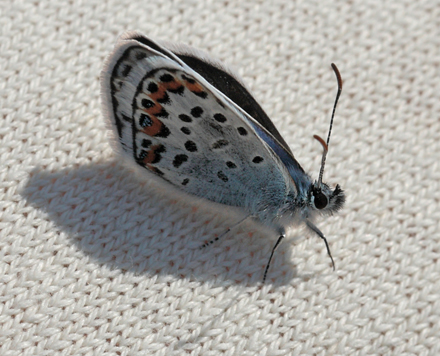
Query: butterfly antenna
325	145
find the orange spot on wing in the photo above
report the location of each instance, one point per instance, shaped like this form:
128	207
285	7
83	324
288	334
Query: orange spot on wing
172	85
162	90
194	87
154	110
159	94
151	155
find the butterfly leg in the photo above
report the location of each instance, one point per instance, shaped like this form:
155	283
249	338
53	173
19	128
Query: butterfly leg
282	236
321	235
222	234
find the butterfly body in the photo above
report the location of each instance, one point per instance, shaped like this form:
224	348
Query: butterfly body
192	123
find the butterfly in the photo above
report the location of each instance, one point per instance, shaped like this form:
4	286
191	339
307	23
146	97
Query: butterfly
188	120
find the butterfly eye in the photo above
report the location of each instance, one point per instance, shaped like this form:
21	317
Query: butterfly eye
320	201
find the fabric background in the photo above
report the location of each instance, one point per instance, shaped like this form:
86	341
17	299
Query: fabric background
96	261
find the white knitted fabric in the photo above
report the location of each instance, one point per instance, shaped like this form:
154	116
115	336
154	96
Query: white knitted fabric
96	261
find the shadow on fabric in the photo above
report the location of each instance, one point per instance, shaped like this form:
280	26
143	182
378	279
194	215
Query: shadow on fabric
121	222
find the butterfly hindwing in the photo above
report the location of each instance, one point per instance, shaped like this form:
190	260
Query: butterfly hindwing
178	126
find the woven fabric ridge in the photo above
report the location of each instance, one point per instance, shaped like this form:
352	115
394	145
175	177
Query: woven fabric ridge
97	260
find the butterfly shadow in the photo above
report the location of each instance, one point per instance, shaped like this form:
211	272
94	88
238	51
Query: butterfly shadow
131	225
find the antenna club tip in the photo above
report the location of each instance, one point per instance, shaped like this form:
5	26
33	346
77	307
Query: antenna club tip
338	75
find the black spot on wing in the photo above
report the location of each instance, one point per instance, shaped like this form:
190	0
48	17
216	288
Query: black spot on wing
179	90
242	131
126	118
126	70
185	118
220	144
257	159
120	125
140	55
164	132
222	176
165	99
146	143
201	94
196	111
163	113
166	78
185	130
191	146
147	104
152	87
157	152
179	159
220	118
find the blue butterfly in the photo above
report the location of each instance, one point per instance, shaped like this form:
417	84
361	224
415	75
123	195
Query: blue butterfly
190	122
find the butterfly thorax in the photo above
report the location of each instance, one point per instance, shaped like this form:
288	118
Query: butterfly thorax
304	202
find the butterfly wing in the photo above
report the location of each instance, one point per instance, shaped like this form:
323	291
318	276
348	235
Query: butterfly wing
220	77
175	124
232	86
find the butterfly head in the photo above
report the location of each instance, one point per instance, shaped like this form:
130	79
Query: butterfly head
325	200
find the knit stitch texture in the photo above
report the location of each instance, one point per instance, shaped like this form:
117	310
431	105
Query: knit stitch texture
96	260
